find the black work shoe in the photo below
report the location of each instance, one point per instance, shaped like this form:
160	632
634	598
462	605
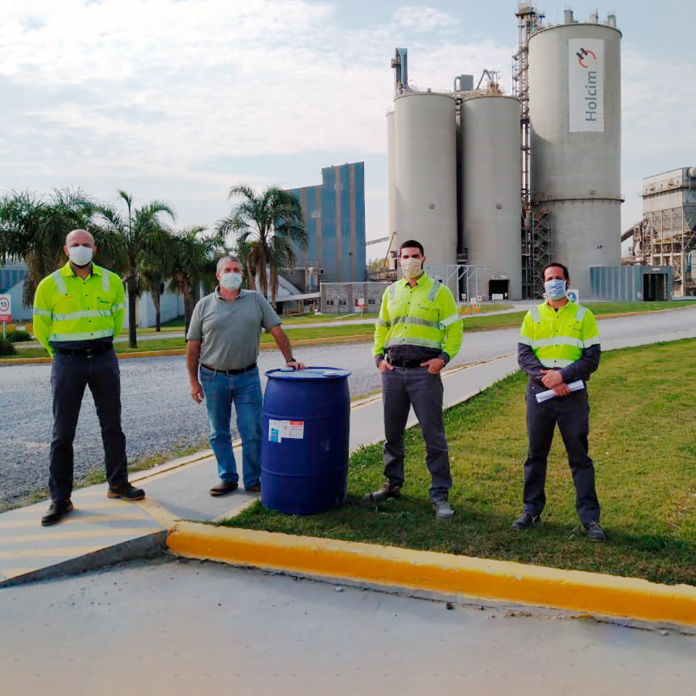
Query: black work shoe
594	531
253	489
223	488
391	489
526	521
127	492
56	512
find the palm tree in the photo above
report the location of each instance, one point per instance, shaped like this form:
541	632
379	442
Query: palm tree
33	227
156	269
138	232
193	263
267	225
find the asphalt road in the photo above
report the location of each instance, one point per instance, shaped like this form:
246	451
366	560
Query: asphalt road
158	413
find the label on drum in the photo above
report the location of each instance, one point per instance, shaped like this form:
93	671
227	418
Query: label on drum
290	430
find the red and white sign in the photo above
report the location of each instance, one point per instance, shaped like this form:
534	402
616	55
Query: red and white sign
5	309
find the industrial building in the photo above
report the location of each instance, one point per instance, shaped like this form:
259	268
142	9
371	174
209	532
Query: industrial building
495	185
12	283
348	298
666	236
12	278
334	213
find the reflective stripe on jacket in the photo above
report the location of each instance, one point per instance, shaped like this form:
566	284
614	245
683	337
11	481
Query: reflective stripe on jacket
423	315
68	308
559	337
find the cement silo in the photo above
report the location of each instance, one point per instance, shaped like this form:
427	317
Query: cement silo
426	175
491	180
575	119
391	179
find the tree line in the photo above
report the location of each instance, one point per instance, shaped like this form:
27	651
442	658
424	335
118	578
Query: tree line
142	244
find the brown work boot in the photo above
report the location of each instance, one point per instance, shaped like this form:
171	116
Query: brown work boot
391	489
223	488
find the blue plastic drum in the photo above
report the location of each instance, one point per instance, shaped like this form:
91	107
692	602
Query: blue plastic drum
304	452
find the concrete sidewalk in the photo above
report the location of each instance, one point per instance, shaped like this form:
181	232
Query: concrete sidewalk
104	531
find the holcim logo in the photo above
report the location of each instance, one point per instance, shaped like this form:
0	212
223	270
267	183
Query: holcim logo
586	85
582	54
591	86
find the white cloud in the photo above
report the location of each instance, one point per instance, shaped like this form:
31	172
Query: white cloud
423	18
159	96
659	111
165	90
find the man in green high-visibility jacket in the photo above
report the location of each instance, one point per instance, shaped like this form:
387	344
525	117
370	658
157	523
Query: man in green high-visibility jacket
418	332
78	310
559	346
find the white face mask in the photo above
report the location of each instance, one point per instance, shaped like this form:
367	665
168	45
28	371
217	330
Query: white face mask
231	281
411	268
555	289
80	255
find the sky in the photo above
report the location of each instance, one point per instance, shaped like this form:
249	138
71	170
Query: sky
179	100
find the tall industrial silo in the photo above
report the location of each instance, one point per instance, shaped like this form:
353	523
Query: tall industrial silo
426	175
391	179
575	120
491	183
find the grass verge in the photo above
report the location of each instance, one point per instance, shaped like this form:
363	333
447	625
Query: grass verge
643	442
363	330
98	475
472	323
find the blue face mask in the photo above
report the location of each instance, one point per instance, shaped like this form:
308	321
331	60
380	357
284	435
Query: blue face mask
555	289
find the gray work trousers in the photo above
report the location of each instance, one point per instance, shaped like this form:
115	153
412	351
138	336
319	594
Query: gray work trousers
572	414
401	389
70	375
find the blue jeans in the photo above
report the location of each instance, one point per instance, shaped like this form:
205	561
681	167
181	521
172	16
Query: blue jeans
245	391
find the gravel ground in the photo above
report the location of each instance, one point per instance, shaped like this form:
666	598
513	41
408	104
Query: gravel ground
159	414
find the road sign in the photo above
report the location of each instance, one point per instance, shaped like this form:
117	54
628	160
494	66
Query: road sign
573	296
5	309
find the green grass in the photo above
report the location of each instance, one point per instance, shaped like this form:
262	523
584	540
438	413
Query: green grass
475	322
177	451
314	319
98	475
600	308
365	330
643	442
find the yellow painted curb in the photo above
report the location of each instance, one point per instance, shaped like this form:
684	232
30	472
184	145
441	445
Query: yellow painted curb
591	593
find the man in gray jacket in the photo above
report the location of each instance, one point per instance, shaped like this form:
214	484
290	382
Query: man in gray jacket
223	345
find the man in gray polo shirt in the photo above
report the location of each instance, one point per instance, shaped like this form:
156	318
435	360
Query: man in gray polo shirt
223	343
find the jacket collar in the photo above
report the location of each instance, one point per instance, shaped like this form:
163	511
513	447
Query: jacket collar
564	308
422	281
67	271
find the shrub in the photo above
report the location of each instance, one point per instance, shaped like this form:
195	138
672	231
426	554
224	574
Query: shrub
6	348
18	336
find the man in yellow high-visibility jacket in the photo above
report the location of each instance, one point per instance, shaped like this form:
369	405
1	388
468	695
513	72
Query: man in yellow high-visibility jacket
78	310
559	346
418	332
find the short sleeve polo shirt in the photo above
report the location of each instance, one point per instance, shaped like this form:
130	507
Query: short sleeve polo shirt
229	332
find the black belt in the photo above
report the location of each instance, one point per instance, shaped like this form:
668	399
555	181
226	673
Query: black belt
410	364
84	352
230	372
